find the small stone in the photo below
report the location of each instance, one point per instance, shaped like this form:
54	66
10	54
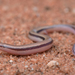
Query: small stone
44	55
66	10
53	64
5	8
35	8
73	11
26	66
11	61
32	69
14	65
34	60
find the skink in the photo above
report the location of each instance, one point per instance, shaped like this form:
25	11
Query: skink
43	41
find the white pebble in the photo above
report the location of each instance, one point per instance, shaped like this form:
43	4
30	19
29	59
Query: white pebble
11	61
66	10
52	64
35	8
26	66
32	69
73	11
5	8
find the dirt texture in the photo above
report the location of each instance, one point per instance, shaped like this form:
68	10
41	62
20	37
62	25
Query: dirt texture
18	17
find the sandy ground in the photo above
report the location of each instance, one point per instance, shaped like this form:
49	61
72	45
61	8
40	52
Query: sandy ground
18	17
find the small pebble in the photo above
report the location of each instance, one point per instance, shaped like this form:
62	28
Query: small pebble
32	69
35	8
66	10
14	65
34	60
52	63
26	66
5	8
11	61
73	11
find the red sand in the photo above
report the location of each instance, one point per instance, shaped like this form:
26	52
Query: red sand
18	17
